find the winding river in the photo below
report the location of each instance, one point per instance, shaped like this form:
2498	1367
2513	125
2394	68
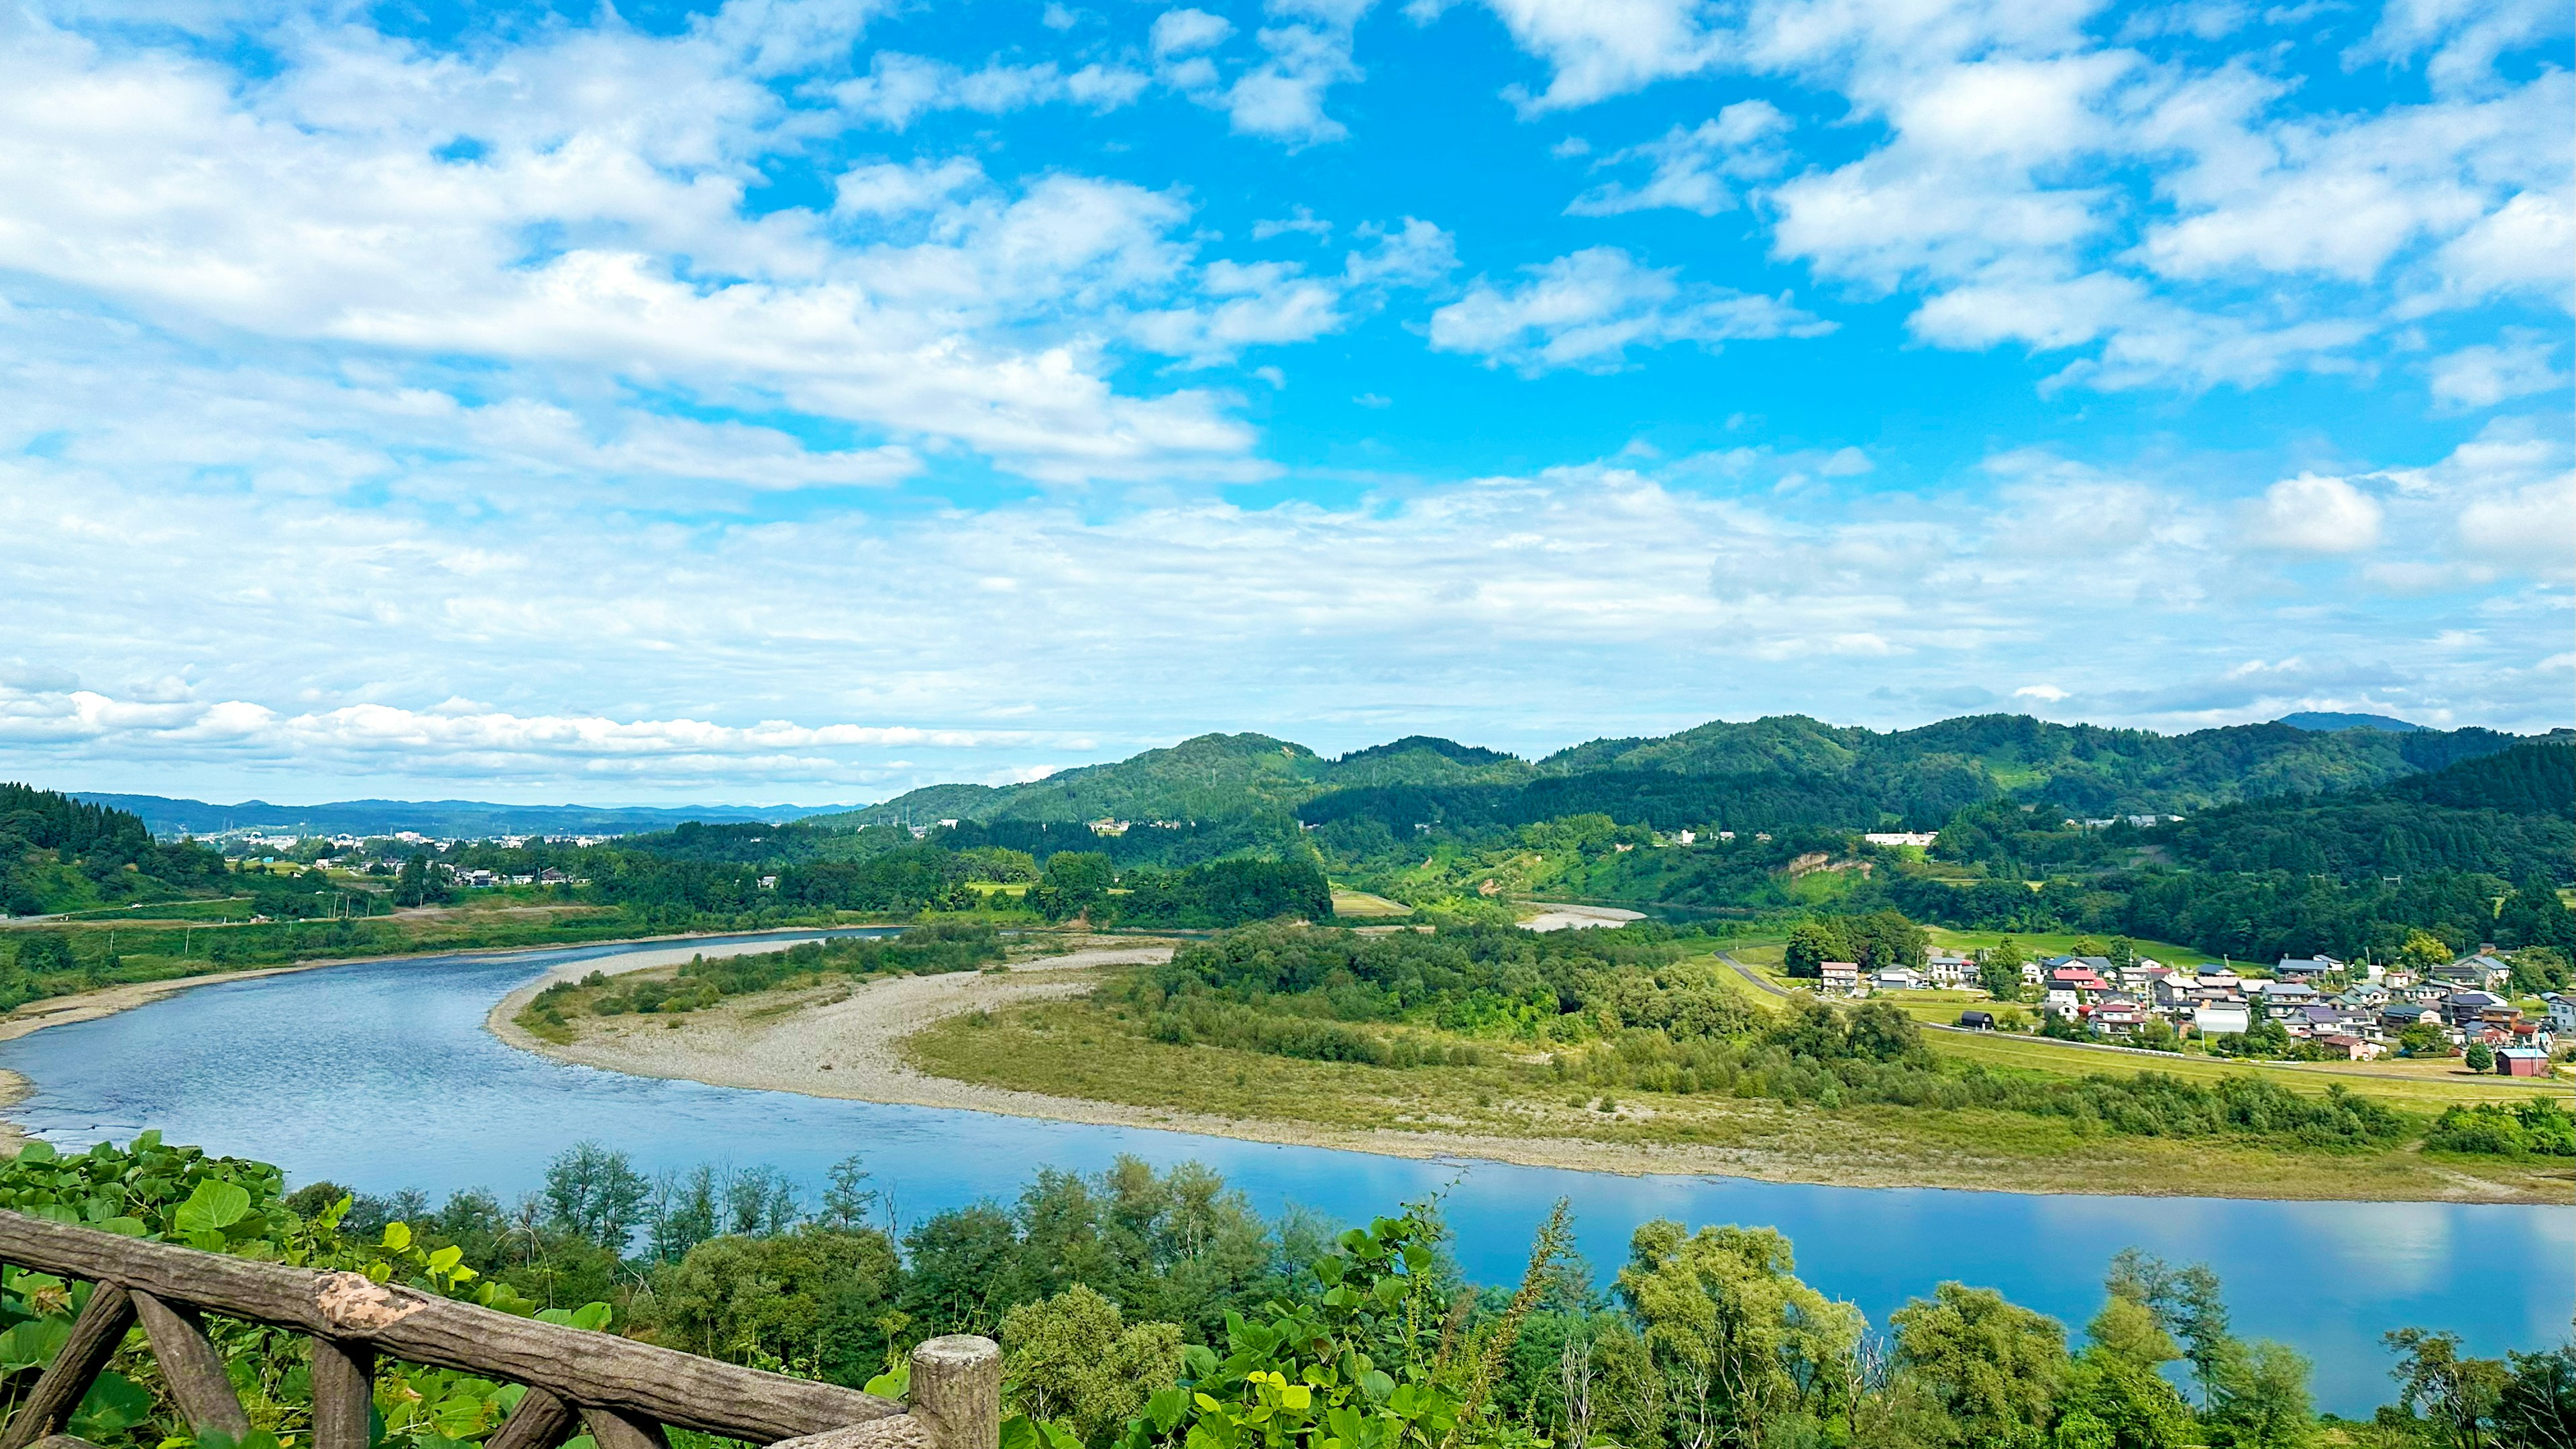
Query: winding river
381	1076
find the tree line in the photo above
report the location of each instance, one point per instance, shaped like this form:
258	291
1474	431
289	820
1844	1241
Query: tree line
1144	1309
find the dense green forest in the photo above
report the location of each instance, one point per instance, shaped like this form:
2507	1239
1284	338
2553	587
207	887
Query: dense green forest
57	853
1144	1309
1726	774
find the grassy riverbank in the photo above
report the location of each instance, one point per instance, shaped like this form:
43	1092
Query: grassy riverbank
151	945
1102	1050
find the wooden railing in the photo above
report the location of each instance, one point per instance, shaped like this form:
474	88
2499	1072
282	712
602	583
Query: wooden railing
621	1391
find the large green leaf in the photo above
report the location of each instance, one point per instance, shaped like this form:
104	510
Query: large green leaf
114	1404
33	1344
213	1207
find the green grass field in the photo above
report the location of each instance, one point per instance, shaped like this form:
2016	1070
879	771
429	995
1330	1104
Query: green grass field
2051	943
1360	905
1518	1109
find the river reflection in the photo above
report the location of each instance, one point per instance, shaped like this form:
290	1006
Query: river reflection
380	1076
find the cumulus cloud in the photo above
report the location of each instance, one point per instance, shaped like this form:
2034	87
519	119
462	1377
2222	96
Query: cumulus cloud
300	632
900	89
2167	219
598	226
2488	373
2313	514
1599	50
1587	309
1694	169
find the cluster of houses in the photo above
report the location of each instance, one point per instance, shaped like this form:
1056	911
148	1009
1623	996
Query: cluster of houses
2358	1010
481	879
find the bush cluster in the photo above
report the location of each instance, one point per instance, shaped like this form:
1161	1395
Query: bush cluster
2538	1128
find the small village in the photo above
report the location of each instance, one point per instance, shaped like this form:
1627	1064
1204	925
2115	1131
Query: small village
2324	1008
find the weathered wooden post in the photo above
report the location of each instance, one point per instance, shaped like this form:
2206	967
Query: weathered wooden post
96	1332
344	1393
956	1391
192	1368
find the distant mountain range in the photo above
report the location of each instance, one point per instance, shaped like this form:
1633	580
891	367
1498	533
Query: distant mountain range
1781	769
458	819
2328	722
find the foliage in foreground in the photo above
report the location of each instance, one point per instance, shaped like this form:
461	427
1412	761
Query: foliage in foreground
1140	1310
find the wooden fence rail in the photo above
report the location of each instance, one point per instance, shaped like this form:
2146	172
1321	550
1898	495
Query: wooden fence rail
622	1391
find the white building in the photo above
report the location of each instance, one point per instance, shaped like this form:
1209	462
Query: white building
2213	1018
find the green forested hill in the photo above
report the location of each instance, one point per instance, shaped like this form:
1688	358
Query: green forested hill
1781	770
2081	769
1212	776
2510	815
58	853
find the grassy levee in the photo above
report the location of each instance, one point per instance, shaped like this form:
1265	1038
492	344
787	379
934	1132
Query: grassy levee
1515	1106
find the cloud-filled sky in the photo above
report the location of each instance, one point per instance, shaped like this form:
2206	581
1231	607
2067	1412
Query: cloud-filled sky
787	400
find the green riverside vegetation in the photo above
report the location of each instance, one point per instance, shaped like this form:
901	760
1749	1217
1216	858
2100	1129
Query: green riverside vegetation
1154	1310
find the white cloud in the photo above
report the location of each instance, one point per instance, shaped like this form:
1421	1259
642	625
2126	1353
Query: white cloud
1283	97
1414	254
931	307
2174	222
899	89
1587	309
294	633
2483	375
2522	246
1693	169
2503	502
1187	32
1601	48
889	189
2315	514
1263	302
460	739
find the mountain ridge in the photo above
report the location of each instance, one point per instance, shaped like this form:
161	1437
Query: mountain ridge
1916	775
167	815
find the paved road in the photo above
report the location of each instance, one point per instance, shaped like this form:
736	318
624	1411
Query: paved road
1747	973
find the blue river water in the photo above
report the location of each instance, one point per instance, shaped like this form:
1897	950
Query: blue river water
381	1076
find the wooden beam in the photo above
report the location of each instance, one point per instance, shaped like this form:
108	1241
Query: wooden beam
611	1429
541	1421
96	1334
192	1368
957	1391
581	1367
344	1393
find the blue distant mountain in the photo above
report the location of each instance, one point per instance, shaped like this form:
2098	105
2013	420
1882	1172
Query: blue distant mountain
457	819
2326	723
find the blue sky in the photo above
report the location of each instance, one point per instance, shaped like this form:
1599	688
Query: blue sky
786	400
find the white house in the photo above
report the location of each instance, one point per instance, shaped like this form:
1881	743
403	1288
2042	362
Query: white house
2562	1012
1949	968
2212	1018
1897	978
1841	976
